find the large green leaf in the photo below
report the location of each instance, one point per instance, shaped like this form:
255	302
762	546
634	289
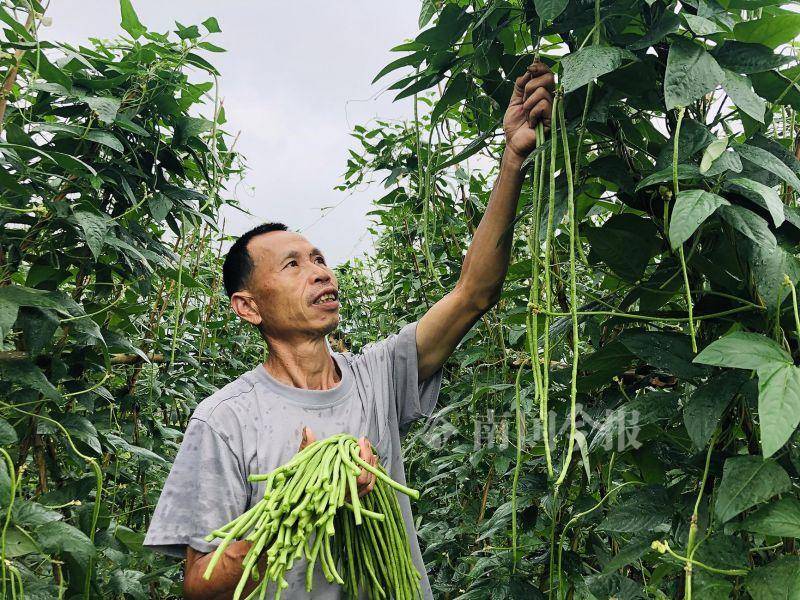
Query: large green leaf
550	9
130	21
779	580
778	404
780	518
57	537
665	350
747	481
740	90
747	58
691	74
764	195
94	226
770	162
748	223
591	62
625	243
619	429
707	404
668	23
768	267
770	30
647	509
692	207
742	350
27	375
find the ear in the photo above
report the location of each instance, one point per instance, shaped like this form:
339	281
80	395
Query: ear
244	305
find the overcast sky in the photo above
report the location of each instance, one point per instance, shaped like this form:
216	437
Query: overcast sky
295	79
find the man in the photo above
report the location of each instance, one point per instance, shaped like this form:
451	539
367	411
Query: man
279	282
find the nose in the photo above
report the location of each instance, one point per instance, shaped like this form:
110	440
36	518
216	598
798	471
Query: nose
320	274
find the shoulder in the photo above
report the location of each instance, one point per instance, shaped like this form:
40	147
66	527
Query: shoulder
385	349
226	406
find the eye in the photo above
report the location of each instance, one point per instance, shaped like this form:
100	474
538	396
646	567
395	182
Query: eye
291	263
320	260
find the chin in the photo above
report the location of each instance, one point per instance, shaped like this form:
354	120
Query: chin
330	326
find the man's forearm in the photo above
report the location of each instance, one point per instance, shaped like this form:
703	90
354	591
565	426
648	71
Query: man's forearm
486	262
226	576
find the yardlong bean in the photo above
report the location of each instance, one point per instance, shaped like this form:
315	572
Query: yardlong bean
311	510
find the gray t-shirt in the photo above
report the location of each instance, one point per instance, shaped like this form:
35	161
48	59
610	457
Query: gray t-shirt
254	425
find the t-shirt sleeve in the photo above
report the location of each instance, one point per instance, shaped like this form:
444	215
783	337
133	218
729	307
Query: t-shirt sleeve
205	489
397	355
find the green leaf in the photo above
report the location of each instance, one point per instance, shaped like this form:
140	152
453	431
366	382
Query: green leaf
455	92
159	206
57	537
692	207
18	544
749	224
620	428
764	195
25	374
770	162
780	518
666	350
707	404
778	404
740	90
701	26
638	547
747	481
668	23
742	350
106	139
130	21
7	433
741	57
712	152
106	107
94	226
212	25
779	580
770	30
591	62
625	243
711	587
426	12
549	9
684	172
691	74
767	267
647	509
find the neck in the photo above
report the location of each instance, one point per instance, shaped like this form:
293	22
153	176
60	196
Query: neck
305	364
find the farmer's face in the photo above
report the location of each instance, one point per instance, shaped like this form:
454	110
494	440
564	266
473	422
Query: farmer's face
295	291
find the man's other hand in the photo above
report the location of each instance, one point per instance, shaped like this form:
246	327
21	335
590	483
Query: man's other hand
365	480
531	103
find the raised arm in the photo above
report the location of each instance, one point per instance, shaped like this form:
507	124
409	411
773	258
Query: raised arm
441	329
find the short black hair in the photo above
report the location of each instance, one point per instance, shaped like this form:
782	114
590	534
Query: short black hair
238	265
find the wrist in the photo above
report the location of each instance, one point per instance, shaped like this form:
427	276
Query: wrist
512	160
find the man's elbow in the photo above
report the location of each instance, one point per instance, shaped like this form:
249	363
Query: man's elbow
478	302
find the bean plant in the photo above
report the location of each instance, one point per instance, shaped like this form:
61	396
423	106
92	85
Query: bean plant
114	165
622	424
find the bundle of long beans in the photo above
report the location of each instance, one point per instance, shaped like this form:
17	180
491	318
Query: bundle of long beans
311	508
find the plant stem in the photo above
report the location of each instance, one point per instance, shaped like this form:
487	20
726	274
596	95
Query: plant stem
681	111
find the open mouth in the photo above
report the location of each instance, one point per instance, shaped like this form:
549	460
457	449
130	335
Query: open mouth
326	298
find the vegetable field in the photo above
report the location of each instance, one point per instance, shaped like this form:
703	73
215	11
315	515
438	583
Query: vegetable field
622	424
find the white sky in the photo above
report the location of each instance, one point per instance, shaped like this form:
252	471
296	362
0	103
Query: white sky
295	79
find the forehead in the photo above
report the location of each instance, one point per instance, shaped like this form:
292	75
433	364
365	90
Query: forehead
277	245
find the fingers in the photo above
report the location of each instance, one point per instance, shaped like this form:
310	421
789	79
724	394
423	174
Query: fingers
519	86
538	68
366	480
308	438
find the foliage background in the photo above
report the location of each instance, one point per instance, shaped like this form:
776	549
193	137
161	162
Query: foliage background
115	161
